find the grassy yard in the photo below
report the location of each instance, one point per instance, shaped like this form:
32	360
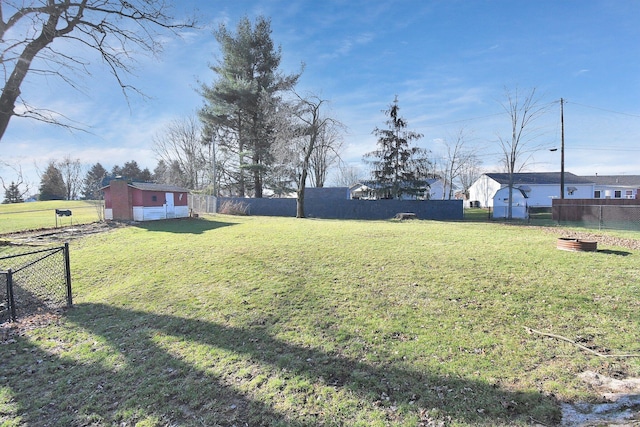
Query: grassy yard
36	215
284	322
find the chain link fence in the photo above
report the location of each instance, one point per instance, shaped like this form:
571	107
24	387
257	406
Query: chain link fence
34	280
594	216
598	216
202	204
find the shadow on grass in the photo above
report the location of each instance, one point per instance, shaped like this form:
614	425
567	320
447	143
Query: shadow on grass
150	382
182	225
612	252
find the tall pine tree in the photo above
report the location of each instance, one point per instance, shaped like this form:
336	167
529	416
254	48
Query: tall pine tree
241	101
398	169
12	194
52	185
93	181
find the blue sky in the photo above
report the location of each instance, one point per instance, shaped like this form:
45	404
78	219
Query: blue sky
448	62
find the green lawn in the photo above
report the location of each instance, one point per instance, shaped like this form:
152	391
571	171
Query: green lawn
288	322
36	215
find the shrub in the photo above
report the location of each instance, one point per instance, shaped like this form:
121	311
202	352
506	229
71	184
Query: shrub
229	207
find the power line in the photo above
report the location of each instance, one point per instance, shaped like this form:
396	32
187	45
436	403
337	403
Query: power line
609	148
604	109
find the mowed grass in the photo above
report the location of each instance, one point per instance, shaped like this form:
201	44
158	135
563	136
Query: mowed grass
36	215
288	322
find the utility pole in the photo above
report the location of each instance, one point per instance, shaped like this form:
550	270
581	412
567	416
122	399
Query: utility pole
562	149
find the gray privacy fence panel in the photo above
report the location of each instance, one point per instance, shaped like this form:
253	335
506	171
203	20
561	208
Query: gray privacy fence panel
343	208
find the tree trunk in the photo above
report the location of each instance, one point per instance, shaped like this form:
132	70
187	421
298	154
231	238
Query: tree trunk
11	90
300	201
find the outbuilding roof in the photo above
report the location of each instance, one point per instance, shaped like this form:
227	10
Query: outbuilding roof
539	178
515	192
150	186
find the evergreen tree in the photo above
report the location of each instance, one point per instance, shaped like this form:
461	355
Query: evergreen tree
131	171
242	100
168	174
12	194
145	175
52	185
93	181
397	167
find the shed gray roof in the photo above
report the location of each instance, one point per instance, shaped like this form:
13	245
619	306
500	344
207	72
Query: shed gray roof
539	178
515	191
613	180
150	186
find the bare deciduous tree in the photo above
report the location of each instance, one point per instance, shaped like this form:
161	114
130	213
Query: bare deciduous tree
311	126
457	158
71	171
326	154
470	174
19	182
347	175
181	144
116	30
523	111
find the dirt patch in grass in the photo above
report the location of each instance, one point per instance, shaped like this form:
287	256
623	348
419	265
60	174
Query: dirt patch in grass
57	235
10	330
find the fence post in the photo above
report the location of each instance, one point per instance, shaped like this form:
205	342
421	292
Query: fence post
10	300
601	219
67	271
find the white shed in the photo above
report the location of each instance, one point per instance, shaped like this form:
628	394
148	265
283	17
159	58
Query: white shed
501	204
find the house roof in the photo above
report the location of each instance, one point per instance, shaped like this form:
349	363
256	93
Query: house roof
616	180
375	185
539	178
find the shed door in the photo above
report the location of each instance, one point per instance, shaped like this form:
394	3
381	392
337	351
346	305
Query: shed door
171	210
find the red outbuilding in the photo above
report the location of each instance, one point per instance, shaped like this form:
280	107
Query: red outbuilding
144	201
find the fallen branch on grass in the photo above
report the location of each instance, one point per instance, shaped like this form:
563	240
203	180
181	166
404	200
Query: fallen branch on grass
560	337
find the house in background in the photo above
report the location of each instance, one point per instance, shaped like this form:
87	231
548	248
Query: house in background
615	186
433	189
143	201
540	188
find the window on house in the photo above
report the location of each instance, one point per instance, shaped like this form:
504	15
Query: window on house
628	194
617	194
571	190
154	198
596	194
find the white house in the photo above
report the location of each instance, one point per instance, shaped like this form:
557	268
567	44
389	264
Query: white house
540	187
435	190
615	186
501	203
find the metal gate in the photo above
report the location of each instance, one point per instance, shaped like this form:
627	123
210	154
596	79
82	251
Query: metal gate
34	280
